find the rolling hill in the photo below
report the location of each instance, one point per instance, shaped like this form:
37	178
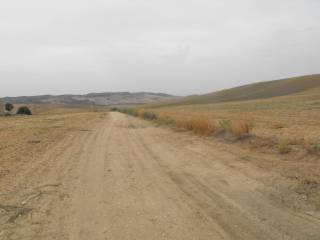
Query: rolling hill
261	90
104	99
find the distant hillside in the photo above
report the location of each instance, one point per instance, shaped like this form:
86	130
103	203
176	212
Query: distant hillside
253	91
107	98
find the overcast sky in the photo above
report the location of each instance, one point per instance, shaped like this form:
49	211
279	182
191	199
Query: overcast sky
174	46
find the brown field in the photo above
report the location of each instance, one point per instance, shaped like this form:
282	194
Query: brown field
24	137
238	170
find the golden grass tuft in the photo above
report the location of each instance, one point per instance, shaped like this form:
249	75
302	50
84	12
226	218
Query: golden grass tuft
241	128
200	125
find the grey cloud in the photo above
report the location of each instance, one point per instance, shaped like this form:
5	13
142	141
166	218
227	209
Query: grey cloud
174	46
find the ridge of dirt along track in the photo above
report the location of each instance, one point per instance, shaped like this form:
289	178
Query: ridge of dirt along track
128	179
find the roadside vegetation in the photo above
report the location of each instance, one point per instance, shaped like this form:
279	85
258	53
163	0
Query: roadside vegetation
267	133
235	127
266	114
313	148
284	148
201	124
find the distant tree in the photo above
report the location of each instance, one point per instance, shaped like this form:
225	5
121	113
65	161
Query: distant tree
114	109
24	110
9	107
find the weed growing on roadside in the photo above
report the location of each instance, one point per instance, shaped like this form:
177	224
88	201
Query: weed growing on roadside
149	115
313	148
129	111
224	126
239	128
114	109
284	148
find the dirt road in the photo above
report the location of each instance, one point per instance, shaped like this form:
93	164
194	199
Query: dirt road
128	179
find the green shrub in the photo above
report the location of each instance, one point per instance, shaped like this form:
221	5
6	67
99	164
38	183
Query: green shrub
24	110
284	148
224	126
149	116
129	111
114	109
316	146
313	148
9	107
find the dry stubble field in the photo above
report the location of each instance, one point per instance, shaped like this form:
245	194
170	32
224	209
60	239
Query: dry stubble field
84	174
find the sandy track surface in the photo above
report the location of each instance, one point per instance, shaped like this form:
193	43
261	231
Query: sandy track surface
128	179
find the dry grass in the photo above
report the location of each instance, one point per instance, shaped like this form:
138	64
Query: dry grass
238	127
200	125
277	125
292	151
281	119
294	116
255	91
166	120
23	137
241	128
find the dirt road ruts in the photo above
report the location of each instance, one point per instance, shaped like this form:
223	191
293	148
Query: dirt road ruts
128	179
